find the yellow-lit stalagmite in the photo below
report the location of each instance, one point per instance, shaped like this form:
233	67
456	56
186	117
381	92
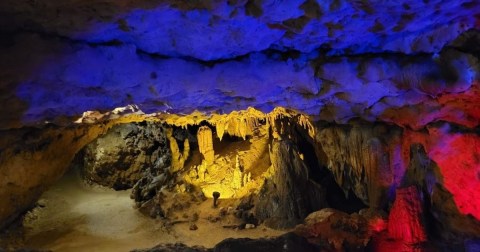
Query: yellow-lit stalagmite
178	159
205	144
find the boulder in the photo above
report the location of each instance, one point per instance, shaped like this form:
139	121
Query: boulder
119	158
335	230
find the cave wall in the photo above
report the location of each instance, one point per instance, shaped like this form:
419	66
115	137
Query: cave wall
290	194
363	159
32	159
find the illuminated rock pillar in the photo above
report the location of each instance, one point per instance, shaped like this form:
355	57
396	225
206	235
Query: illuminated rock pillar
405	222
178	158
205	144
237	175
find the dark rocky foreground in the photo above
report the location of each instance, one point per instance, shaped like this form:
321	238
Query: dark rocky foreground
289	242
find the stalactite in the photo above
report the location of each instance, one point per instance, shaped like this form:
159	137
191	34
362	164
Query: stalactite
280	121
220	128
238	123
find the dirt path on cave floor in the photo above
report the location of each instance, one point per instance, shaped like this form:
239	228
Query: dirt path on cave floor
78	217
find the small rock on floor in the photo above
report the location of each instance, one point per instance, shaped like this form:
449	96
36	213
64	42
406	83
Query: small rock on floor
249	226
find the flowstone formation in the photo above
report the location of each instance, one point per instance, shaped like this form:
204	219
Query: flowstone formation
363	159
290	194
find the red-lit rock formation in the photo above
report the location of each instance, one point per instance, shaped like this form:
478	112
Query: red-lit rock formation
458	157
406	221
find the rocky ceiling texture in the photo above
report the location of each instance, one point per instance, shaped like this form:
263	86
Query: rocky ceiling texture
407	62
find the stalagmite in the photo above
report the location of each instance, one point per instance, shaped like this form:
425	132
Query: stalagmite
237	174
205	144
178	159
186	149
405	222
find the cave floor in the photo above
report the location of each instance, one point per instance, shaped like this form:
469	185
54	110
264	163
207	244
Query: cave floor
73	216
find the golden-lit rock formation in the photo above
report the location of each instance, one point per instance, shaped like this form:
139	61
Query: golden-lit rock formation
237	181
280	121
238	123
205	144
178	157
236	169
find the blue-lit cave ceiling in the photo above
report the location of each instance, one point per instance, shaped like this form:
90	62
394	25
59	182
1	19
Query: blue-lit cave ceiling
406	62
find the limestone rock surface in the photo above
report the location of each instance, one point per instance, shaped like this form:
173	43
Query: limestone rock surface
290	195
226	29
119	158
32	159
177	247
362	159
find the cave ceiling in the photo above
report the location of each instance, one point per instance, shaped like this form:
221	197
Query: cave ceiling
410	63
